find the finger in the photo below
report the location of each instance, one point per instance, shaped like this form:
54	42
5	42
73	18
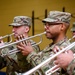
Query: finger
24	53
24	38
1	41
18	37
56	62
70	52
56	49
28	43
20	47
0	37
21	38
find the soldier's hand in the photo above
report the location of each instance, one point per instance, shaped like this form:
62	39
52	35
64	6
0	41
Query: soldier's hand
26	49
64	59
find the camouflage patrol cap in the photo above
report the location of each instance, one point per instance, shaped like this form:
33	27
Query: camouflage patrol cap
73	27
58	17
21	20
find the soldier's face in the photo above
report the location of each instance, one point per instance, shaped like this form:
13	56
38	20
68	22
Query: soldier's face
18	30
52	30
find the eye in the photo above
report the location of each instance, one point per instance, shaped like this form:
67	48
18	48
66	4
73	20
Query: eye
44	23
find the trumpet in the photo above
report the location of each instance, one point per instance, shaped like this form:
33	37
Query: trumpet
49	72
13	43
9	35
71	38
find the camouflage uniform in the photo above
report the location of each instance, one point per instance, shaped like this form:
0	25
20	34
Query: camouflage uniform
35	59
71	68
16	62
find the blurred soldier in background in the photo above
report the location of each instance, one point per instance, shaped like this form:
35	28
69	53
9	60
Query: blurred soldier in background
17	62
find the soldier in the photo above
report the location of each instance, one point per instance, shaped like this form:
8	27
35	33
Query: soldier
56	26
17	62
67	61
73	29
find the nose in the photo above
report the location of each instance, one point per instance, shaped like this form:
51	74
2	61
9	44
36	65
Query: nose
13	29
46	26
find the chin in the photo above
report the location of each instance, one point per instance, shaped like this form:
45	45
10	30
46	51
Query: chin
48	37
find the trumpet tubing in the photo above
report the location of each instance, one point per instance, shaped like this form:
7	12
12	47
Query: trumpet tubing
51	70
21	40
7	36
16	50
72	38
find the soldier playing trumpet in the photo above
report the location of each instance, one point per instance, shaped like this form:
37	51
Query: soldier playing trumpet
67	61
17	62
56	26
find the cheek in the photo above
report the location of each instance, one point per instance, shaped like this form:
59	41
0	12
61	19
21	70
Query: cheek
54	29
20	31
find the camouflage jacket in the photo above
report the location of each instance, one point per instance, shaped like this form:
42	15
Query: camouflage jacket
36	59
71	68
15	62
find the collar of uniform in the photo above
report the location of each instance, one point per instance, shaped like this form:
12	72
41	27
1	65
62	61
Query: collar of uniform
51	46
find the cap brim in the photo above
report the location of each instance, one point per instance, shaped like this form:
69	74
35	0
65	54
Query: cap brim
49	20
14	24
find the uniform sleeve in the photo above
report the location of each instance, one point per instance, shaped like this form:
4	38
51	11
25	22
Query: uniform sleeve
2	58
71	68
33	58
36	48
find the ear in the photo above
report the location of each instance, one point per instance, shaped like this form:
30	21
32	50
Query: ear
26	29
62	26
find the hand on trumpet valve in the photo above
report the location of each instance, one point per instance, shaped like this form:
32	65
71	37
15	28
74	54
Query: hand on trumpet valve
57	49
64	59
20	37
25	46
